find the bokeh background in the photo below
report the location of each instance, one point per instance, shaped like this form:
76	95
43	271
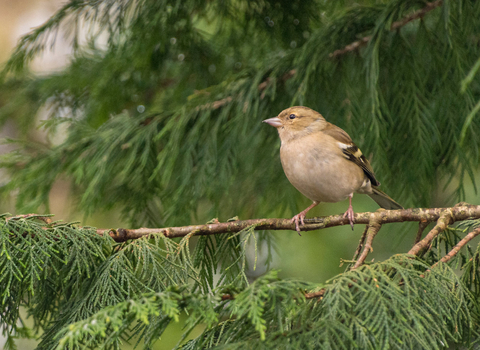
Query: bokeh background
16	19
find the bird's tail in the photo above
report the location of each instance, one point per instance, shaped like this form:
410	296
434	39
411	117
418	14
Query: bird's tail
383	199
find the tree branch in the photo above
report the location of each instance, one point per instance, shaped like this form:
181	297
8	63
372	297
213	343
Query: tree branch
458	246
446	218
317	294
395	25
45	218
373	227
381	216
422	225
360	244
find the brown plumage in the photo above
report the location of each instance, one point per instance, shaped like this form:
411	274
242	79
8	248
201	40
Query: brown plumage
323	163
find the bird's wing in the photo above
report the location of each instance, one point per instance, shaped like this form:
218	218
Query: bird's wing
351	151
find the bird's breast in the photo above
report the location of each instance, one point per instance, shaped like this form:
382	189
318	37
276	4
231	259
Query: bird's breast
319	170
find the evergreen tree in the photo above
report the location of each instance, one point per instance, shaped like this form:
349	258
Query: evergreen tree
164	101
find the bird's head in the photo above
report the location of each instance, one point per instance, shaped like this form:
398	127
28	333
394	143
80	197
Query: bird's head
296	122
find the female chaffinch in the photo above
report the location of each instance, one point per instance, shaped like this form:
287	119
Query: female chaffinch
323	163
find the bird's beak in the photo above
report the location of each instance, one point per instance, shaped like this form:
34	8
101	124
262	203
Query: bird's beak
275	122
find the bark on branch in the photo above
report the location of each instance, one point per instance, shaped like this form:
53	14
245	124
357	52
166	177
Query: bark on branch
446	218
373	227
381	216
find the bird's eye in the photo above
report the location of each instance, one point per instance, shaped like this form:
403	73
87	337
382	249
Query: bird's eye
292	116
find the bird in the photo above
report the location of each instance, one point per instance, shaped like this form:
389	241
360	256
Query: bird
321	161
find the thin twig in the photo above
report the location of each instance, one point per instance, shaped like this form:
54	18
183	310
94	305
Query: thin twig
261	88
458	246
417	14
317	294
360	244
351	47
45	218
395	25
373	227
447	217
421	227
312	295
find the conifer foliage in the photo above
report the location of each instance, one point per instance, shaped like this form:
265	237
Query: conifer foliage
163	102
87	292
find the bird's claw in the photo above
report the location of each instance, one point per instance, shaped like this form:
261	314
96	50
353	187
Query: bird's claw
350	215
300	216
296	219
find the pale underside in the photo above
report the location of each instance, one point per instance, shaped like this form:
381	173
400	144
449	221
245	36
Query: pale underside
313	166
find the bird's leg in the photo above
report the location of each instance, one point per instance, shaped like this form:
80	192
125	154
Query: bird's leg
300	216
349	213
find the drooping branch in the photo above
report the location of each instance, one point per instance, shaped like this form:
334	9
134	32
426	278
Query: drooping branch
416	15
335	54
381	216
395	25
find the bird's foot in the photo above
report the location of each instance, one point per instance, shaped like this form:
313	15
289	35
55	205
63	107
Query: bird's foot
300	216
298	219
350	215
